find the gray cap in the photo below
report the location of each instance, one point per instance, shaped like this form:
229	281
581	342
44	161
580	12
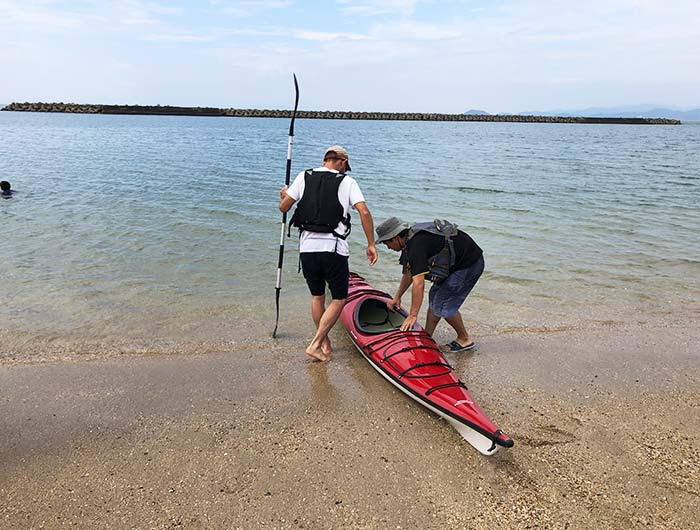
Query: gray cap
338	151
391	228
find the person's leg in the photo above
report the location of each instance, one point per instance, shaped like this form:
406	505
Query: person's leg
318	306
337	274
458	325
431	321
432	318
328	319
312	267
452	294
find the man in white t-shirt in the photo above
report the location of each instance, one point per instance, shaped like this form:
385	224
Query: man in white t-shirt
326	195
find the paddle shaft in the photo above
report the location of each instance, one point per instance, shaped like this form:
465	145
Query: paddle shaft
278	283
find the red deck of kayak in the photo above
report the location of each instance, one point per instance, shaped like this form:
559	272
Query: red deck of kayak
413	361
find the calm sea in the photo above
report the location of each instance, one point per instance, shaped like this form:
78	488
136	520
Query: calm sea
144	233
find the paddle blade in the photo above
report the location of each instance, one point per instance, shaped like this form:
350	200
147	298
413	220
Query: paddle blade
277	319
296	105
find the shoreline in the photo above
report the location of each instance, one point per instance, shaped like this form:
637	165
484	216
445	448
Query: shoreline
25	349
605	425
168	110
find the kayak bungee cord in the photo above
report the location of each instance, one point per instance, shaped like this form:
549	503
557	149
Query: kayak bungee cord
278	284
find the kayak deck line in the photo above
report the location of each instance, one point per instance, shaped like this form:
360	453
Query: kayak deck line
422	365
407	348
412	361
399	335
446	385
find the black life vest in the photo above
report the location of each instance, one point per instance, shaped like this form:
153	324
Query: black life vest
440	264
319	209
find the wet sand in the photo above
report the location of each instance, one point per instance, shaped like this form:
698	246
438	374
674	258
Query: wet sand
605	420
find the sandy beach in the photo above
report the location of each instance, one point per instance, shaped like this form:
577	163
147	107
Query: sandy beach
145	260
605	421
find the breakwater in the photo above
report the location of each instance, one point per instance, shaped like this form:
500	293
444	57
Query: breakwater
165	110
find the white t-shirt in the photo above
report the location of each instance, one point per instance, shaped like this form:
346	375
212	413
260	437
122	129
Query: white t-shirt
349	195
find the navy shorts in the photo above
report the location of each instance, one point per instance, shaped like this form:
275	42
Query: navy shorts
320	268
446	298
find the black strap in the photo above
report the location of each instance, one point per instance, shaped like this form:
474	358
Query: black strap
421	365
396	336
493	439
409	348
446	385
346	221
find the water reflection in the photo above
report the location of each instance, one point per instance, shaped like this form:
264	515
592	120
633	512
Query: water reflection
323	393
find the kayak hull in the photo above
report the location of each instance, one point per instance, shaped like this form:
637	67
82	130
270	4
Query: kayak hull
412	362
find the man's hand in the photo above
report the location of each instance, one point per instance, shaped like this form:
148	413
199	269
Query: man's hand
417	290
409	322
368	229
372	254
394	304
286	202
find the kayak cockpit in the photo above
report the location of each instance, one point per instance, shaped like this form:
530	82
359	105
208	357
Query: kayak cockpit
372	316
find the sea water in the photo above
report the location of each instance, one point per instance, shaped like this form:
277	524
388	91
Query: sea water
159	233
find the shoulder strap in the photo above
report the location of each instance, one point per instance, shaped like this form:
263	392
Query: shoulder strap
420	227
445	227
439	228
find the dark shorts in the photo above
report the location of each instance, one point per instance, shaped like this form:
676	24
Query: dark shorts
326	267
446	299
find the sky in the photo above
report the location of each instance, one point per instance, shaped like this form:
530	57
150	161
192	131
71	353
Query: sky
358	55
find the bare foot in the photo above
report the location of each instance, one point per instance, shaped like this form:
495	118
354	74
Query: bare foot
326	348
317	354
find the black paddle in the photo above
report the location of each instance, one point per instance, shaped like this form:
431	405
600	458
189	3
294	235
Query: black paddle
278	285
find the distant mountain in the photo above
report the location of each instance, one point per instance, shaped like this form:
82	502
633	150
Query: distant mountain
473	112
660	112
628	111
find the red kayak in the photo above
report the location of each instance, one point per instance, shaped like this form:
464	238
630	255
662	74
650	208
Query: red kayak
412	361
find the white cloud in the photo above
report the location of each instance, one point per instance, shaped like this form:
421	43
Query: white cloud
135	12
249	8
500	56
175	37
408	30
40	15
163	10
325	36
379	7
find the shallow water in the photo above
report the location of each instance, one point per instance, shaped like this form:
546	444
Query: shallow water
146	233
